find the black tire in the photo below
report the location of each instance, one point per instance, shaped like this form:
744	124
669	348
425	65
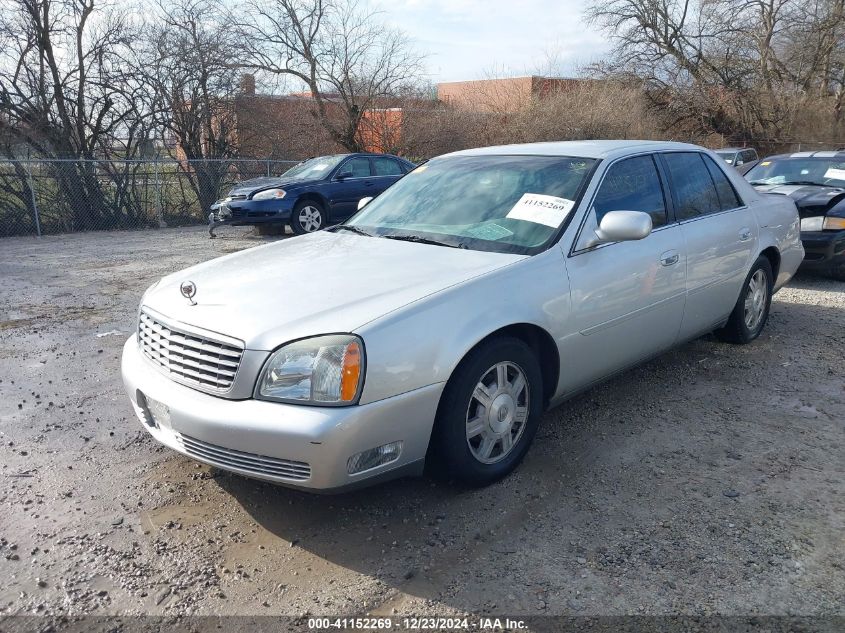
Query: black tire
737	330
301	225
838	271
453	452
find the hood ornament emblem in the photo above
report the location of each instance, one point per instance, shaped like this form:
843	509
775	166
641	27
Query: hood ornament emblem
188	290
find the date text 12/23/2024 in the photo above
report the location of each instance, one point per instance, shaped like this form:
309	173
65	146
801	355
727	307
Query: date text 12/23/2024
415	624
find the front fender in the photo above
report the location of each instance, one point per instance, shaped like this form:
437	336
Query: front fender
421	343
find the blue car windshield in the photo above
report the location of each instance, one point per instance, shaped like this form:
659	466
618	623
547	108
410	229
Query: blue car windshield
508	204
313	168
828	172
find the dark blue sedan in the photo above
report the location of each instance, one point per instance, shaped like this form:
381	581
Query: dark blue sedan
315	193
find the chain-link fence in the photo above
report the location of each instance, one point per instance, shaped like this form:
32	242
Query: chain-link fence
58	196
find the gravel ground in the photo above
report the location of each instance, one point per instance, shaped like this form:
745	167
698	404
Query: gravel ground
709	481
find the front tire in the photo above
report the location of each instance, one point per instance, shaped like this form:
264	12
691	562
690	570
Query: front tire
307	216
489	412
752	308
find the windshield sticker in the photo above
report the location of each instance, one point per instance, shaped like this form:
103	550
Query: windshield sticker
766	163
489	232
835	174
419	169
541	209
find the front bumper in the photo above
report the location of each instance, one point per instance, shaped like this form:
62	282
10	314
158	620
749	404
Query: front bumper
823	250
293	445
257	211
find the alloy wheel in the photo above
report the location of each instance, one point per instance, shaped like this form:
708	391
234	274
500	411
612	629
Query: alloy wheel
310	218
497	412
755	299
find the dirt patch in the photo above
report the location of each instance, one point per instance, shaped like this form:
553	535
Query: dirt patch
708	481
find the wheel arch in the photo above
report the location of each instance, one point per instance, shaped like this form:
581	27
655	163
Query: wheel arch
313	196
541	343
773	255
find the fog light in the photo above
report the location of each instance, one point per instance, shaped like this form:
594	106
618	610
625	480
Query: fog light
374	457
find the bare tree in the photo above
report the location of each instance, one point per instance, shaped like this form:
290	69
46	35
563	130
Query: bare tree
64	94
190	68
746	69
346	58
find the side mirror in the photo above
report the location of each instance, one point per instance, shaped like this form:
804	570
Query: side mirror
363	202
739	162
622	226
344	175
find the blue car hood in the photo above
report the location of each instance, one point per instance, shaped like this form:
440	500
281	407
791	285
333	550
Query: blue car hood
256	184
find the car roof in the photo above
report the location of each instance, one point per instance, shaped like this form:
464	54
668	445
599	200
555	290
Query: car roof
733	149
832	153
580	149
353	154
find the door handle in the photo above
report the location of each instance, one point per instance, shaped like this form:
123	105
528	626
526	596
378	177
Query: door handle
744	235
669	258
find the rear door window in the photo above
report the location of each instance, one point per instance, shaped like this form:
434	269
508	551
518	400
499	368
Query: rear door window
728	198
386	167
692	186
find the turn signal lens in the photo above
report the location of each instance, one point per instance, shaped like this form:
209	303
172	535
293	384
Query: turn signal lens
834	224
350	372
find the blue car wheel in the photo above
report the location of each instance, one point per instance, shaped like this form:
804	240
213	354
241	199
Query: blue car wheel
307	216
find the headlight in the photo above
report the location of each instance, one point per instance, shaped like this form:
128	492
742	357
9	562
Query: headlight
269	194
812	224
834	224
324	370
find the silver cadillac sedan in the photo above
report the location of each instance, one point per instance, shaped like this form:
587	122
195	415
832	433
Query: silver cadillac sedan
439	322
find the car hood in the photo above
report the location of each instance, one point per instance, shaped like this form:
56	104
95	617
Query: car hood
319	283
256	184
810	199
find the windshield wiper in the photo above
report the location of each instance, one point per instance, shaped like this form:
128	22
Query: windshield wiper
790	182
422	240
354	229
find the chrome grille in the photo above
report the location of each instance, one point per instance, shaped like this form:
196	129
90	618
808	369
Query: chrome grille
189	358
246	462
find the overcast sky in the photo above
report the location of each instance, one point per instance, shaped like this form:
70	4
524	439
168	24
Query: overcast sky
473	39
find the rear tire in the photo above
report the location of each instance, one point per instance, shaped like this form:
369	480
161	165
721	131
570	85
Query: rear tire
838	272
489	412
307	216
751	312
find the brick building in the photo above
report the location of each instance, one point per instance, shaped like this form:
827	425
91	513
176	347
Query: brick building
287	127
501	95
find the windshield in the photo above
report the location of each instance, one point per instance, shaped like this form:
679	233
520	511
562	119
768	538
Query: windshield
829	172
509	204
313	168
728	157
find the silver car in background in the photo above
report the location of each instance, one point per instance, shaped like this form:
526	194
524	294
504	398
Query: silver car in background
441	320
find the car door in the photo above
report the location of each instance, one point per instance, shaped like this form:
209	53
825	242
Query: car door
627	297
352	181
719	233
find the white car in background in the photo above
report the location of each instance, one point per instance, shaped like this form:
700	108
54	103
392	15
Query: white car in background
439	322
